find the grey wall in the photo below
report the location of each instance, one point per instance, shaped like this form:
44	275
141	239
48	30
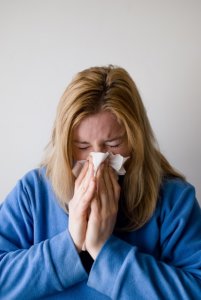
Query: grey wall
44	43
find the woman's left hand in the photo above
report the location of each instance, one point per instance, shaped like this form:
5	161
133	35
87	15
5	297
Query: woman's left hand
104	208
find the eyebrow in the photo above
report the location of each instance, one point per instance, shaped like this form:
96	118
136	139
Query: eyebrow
78	142
107	141
115	138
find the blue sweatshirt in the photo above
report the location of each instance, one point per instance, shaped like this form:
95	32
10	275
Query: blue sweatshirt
38	259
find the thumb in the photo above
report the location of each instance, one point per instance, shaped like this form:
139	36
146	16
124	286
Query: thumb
77	168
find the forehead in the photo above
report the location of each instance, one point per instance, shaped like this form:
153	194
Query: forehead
103	125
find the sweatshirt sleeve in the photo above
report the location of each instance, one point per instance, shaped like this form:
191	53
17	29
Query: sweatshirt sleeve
122	271
51	265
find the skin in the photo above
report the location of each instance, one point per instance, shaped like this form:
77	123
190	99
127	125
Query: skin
94	206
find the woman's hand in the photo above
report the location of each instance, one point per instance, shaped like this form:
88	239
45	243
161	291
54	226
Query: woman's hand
79	205
104	208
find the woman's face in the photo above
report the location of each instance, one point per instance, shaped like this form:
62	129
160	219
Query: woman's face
100	132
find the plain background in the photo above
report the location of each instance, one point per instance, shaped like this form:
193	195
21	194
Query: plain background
44	43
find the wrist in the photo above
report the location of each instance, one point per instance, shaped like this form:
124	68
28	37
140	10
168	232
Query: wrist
76	243
94	252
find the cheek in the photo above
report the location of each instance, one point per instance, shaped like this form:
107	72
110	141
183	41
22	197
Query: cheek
80	154
127	151
124	151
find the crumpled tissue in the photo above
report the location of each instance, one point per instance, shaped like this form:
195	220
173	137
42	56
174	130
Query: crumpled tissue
116	161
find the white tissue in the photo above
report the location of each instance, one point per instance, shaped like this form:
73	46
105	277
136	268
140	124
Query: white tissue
116	161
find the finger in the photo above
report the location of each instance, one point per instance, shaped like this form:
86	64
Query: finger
90	193
77	168
109	187
116	187
87	178
82	174
95	208
102	190
84	192
99	183
82	200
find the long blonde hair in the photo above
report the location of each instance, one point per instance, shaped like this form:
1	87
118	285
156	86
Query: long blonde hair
111	89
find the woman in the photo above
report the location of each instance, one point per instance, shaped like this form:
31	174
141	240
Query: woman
66	233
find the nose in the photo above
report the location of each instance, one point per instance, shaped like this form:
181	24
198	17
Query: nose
99	148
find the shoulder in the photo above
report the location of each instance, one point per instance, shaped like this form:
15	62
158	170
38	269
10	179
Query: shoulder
174	187
36	185
35	175
35	178
177	196
30	189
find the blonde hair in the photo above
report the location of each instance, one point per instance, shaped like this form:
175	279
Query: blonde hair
111	89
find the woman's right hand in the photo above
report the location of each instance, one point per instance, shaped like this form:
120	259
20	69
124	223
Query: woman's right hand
79	205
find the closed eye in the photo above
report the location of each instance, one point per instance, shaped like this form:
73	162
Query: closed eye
114	146
83	148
